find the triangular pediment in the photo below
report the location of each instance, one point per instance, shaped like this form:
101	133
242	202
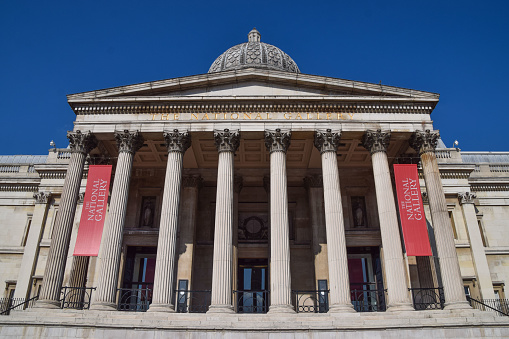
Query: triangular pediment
250	84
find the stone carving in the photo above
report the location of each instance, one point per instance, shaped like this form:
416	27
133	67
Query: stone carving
41	197
424	141
129	141
238	183
227	141
313	181
277	141
253	228
359	211
466	198
81	142
81	197
147	211
254	54
327	141
194	181
424	196
376	141
177	141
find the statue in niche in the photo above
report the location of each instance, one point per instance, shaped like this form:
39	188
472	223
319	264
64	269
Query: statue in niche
359	211
147	211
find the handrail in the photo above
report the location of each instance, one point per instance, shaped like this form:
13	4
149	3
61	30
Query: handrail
25	303
481	303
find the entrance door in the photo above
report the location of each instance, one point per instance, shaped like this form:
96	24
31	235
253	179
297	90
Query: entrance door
253	278
366	289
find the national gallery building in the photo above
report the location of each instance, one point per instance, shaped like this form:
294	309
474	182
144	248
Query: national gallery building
253	200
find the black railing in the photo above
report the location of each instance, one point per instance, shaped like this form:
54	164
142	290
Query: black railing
77	298
134	299
498	306
192	301
367	298
311	301
428	298
251	301
9	304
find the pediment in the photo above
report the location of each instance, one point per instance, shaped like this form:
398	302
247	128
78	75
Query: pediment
250	84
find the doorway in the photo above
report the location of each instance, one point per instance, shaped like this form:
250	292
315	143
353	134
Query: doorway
252	282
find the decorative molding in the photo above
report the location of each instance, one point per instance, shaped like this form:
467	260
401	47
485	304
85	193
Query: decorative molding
81	142
19	188
425	198
313	181
41	197
278	140
226	140
194	181
53	174
449	175
177	141
128	141
238	183
424	141
376	141
327	141
466	197
489	187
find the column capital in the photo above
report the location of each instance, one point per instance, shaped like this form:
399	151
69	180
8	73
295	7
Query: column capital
424	141
81	198
376	141
277	140
327	141
41	197
81	142
226	140
313	181
193	181
238	183
177	141
424	196
129	142
466	197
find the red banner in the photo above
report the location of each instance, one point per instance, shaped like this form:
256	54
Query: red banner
94	211
411	211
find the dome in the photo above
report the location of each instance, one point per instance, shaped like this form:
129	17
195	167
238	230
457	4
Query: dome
254	54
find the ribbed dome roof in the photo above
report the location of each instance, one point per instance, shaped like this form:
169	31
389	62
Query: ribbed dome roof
254	54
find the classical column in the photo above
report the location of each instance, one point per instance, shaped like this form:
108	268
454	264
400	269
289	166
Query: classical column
376	142
339	284
177	144
81	144
425	143
33	238
277	142
314	187
237	187
128	143
481	266
227	143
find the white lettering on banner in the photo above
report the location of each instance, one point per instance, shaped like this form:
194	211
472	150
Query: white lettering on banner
97	204
410	203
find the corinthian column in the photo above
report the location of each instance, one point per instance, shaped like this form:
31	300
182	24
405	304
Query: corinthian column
81	144
227	143
376	142
277	142
327	143
425	143
177	144
128	143
482	269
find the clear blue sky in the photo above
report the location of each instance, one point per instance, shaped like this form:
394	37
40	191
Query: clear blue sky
52	48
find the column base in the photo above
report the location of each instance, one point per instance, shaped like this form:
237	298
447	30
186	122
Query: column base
220	309
457	305
342	308
400	307
46	303
103	306
281	309
166	308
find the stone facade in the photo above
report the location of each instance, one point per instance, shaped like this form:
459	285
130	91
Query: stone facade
255	189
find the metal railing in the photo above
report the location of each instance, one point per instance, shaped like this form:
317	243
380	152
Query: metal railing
428	298
9	304
499	306
77	298
251	301
188	301
366	297
311	301
134	299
